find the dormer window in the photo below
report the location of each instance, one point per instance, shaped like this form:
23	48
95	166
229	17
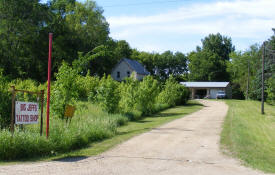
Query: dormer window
128	73
118	75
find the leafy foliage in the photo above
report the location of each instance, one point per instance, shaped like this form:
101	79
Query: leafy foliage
271	90
65	90
243	68
24	27
5	102
162	65
147	92
209	62
107	95
173	93
89	125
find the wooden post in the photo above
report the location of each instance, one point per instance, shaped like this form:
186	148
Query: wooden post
263	60
248	77
42	104
12	108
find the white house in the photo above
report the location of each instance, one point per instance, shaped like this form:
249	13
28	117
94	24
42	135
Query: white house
208	89
125	67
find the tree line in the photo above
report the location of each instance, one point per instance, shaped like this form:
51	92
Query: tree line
81	38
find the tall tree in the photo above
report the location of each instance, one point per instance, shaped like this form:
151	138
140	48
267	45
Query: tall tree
242	68
218	44
209	62
163	65
24	28
21	22
78	27
102	58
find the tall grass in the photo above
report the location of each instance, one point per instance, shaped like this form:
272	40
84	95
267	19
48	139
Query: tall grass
89	124
249	135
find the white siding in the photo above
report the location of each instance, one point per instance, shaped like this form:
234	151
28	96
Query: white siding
213	93
123	68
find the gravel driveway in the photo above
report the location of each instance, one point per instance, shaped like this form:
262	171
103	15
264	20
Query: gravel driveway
189	145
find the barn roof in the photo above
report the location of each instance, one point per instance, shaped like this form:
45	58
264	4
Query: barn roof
136	66
206	84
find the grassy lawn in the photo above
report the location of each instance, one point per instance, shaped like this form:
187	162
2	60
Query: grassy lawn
124	133
250	136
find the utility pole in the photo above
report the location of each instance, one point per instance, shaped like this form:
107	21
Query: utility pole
263	58
248	79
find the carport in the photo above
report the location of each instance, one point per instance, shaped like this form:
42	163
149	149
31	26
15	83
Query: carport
208	89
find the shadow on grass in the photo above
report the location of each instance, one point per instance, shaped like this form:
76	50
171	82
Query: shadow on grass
71	159
142	121
169	114
193	104
132	131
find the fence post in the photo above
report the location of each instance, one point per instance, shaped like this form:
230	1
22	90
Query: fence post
12	108
42	104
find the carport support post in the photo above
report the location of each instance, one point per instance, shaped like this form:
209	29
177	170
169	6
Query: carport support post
193	93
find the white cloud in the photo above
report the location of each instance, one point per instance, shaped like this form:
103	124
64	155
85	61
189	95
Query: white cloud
250	19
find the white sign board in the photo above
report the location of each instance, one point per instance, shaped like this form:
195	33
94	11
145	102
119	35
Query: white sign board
26	112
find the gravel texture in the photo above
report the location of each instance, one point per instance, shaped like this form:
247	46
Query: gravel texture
189	145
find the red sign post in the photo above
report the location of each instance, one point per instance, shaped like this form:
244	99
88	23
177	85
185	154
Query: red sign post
49	83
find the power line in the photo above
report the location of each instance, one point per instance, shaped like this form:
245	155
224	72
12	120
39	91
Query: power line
144	3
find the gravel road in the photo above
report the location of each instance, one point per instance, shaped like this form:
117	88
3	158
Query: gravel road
189	145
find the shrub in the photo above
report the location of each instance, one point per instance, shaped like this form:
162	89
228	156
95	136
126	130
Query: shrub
184	95
107	96
88	125
87	87
271	90
173	93
29	85
147	92
65	89
5	102
128	96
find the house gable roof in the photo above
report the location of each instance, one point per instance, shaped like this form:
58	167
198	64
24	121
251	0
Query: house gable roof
136	66
206	84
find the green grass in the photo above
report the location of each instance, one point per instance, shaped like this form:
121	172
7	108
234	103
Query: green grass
250	136
89	124
125	132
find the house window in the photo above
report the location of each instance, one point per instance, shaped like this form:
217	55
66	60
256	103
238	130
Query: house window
118	75
128	73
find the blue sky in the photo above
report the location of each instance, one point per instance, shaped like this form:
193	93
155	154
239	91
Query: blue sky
179	25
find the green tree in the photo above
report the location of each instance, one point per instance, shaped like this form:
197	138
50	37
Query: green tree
162	65
21	22
102	59
206	66
243	68
218	44
65	90
209	62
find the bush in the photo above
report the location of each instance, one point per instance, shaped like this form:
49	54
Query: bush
173	93
5	102
184	95
271	90
29	85
138	98
107	96
128	96
87	87
147	92
88	125
65	89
